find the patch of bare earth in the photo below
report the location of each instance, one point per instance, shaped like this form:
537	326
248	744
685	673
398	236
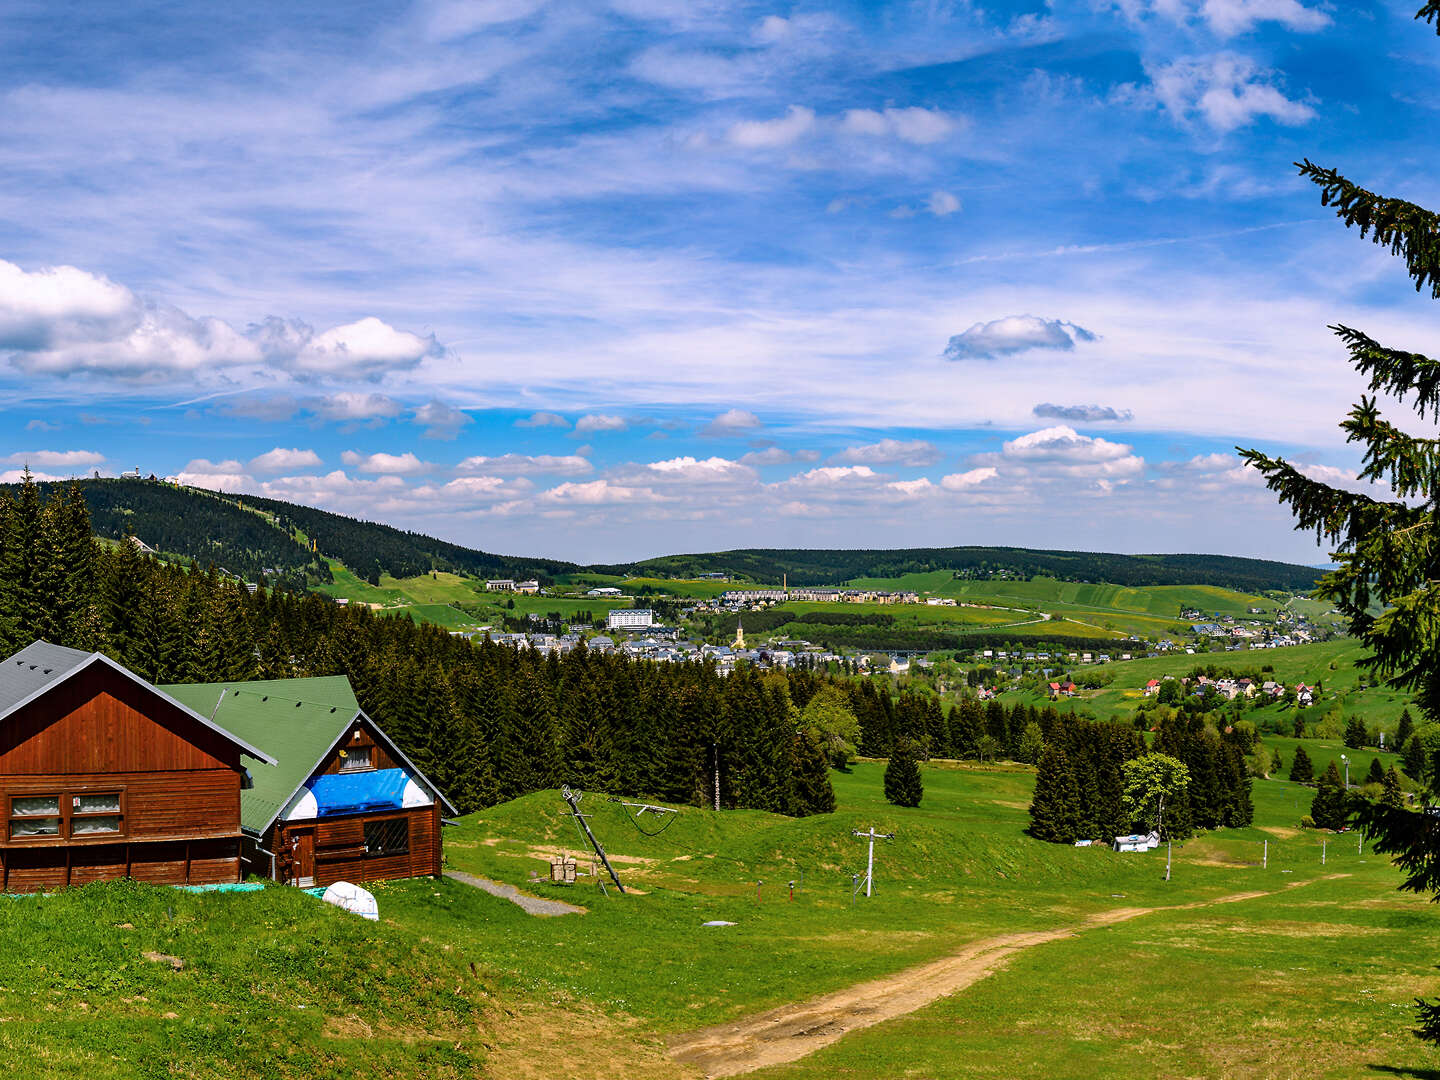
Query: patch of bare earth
560	1042
794	1031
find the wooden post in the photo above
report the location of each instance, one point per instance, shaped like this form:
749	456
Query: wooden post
187	862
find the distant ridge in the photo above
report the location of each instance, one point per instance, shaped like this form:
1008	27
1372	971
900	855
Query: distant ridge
248	534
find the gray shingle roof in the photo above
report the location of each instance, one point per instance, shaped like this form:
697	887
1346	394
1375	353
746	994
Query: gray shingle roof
40	665
34	668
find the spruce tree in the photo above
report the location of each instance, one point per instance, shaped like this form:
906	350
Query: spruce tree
1403	730
1376	775
1412	758
1384	547
1056	801
1329	808
1355	733
1302	771
1390	794
904	786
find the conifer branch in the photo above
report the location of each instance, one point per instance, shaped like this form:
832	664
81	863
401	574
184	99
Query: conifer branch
1393	371
1430	13
1408	464
1406	229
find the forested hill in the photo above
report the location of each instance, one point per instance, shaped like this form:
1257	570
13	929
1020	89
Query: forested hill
246	534
368	547
829	567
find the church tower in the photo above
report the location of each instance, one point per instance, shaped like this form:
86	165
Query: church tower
739	635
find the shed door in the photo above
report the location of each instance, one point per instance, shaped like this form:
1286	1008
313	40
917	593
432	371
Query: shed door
303	856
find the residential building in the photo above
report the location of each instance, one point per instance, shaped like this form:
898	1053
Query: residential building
630	619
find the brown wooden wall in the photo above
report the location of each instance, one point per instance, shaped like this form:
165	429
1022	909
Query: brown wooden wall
101	722
339	846
379	758
179	783
176	862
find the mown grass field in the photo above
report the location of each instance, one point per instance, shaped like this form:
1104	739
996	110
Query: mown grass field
1315	973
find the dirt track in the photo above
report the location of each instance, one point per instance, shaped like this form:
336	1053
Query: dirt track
791	1032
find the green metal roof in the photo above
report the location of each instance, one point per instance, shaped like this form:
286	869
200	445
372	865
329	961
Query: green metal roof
295	721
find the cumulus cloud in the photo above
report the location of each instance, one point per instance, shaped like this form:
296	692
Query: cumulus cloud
439	420
697	470
406	464
1061	451
770	134
732	422
56	458
914	452
1014	334
595	493
599	422
1226	91
365	349
17	476
528	464
216	476
350	405
834	475
1085	414
913	125
280	459
543	419
66	321
964	481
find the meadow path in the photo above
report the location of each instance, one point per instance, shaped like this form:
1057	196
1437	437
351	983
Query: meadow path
793	1031
535	905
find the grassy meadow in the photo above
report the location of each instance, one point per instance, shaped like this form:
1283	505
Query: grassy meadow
1314	971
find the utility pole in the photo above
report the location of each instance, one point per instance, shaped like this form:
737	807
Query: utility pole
872	836
573	799
715	753
1346	762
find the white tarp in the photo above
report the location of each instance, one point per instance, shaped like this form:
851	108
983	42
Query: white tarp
353	899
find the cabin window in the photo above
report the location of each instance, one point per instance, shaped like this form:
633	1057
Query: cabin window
389	837
34	815
67	814
357	758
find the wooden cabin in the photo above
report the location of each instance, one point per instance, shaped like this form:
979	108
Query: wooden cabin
104	776
341	803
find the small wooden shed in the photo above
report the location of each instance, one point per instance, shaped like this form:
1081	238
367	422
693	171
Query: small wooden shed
341	802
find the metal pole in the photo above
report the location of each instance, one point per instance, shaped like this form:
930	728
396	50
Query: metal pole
1167	859
1322	851
870	864
574	800
1265	856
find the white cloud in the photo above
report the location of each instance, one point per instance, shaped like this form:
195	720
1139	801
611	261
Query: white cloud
365	349
914	452
528	464
227	476
406	464
1014	334
61	305
913	488
543	419
595	493
829	476
1228	18
1062	452
913	125
599	422
17	476
732	422
350	405
41	425
942	204
1226	90
691	470
769	134
966	480
440	421
280	459
56	457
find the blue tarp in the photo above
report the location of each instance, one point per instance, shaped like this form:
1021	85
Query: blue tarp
351	793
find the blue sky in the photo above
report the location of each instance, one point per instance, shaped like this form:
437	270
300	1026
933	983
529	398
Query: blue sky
606	280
